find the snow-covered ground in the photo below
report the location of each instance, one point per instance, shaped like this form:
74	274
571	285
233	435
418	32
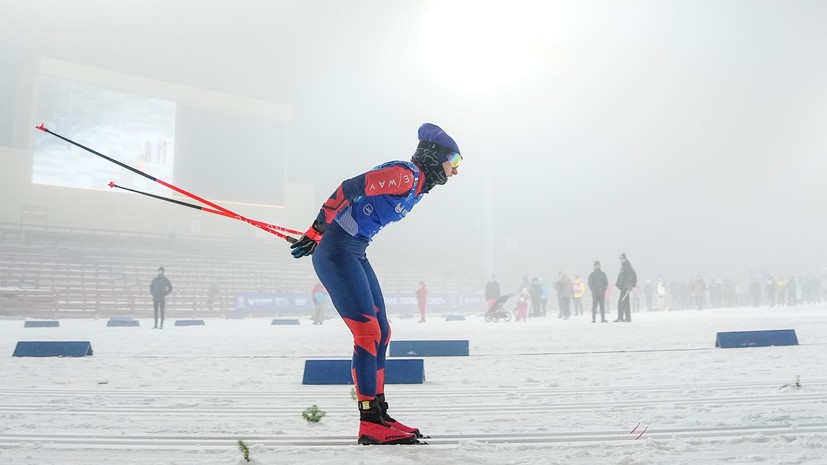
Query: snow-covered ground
543	392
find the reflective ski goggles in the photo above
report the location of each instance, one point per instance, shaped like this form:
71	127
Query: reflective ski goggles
454	159
451	156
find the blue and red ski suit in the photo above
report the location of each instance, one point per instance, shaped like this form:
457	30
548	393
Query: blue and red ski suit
359	208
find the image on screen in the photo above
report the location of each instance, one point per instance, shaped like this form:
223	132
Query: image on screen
136	130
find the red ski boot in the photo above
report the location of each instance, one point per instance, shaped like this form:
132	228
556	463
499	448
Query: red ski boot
374	430
393	423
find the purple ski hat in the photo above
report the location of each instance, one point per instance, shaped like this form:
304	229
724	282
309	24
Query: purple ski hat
432	133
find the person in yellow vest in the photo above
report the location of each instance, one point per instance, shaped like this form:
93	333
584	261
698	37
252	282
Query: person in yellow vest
781	290
579	292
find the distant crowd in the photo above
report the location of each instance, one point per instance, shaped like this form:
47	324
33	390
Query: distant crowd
654	294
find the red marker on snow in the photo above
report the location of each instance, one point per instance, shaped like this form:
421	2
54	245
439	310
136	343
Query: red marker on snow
641	433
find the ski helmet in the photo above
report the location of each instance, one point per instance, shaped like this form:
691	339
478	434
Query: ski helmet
434	149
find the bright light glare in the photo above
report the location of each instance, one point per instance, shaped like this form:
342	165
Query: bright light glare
478	46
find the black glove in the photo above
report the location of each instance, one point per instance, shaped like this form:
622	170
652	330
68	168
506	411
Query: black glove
306	244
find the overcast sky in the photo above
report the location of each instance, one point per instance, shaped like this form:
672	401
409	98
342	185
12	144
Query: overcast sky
689	134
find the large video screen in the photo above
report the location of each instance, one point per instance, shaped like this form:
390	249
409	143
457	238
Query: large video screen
217	155
230	158
136	130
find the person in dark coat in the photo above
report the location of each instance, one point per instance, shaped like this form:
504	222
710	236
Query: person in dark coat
160	287
492	291
598	283
626	281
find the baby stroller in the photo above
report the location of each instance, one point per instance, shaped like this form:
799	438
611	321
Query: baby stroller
497	312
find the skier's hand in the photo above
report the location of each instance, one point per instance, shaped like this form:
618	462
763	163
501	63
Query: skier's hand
306	244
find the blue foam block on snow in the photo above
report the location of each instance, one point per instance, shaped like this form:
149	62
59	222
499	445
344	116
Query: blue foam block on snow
42	324
189	323
443	348
284	321
53	349
398	371
454	318
122	322
774	337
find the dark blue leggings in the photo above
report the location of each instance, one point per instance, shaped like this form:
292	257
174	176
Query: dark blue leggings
345	272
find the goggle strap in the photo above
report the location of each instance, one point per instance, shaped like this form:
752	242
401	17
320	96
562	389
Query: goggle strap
423	144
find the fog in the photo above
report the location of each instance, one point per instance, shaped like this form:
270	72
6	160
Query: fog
688	134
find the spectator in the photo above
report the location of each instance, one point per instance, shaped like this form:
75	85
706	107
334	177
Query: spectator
660	289
715	293
579	291
525	284
319	294
521	309
675	291
422	300
755	290
626	281
492	290
769	289
564	294
699	291
730	293
160	287
635	293
781	291
608	299
543	296
535	291
792	291
648	293
212	296
598	284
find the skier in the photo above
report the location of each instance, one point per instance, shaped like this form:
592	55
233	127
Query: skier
338	238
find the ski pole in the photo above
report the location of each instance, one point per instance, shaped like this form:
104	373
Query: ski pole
208	210
227	212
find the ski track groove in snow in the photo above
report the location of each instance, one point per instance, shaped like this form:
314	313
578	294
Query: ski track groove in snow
290	410
398	391
208	441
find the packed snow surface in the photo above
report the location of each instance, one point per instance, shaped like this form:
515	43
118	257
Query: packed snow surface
546	391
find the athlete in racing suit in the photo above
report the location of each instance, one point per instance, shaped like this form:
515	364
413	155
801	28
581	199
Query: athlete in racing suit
338	238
